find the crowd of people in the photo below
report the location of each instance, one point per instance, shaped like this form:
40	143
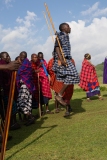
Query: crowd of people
36	79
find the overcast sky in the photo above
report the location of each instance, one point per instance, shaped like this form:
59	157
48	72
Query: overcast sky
23	27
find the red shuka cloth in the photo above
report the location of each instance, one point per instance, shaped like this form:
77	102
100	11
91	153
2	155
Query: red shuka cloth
56	85
43	80
88	74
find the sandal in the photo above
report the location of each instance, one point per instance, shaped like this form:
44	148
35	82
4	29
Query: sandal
57	110
49	112
67	114
100	98
60	100
88	100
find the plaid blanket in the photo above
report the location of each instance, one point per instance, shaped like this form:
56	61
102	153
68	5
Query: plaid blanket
65	44
66	74
43	80
25	74
24	100
88	76
105	72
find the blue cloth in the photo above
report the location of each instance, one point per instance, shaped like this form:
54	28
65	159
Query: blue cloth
93	92
45	70
105	72
25	74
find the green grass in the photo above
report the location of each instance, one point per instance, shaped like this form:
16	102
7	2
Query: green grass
82	136
99	69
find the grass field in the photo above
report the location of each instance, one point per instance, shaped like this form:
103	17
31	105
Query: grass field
82	136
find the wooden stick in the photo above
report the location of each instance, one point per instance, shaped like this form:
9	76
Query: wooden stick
1	129
54	31
3	107
39	97
48	26
2	126
8	115
2	122
49	30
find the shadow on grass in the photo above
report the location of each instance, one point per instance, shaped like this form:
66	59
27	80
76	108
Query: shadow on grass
25	131
76	105
105	95
92	98
50	128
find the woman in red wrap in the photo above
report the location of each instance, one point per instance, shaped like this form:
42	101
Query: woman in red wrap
88	78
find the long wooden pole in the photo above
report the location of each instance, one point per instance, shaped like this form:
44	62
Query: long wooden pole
8	115
2	120
39	97
48	26
47	10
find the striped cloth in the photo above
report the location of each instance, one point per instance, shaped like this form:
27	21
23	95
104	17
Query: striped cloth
24	100
66	74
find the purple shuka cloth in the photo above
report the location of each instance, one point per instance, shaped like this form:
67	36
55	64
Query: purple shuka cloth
105	72
25	74
95	92
5	79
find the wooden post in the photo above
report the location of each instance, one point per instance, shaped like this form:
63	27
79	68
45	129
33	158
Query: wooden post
39	97
8	115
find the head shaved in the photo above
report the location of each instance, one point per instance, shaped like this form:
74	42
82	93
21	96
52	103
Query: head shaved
34	54
61	26
24	53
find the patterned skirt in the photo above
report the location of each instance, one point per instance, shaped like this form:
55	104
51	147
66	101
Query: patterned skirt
24	101
66	74
93	89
